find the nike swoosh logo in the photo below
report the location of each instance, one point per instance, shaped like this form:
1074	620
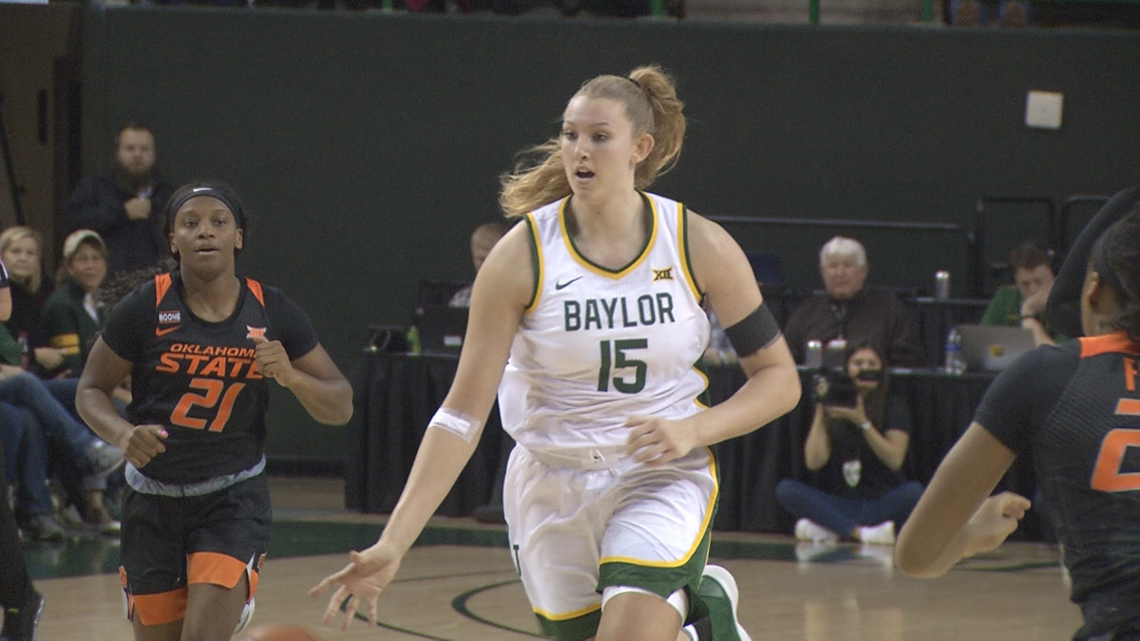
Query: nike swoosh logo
158	331
558	286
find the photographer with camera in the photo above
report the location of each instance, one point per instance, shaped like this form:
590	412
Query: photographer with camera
856	446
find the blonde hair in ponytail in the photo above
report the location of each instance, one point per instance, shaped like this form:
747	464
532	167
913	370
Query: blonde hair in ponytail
650	98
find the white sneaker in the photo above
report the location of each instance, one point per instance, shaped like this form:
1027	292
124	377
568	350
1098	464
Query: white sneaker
808	530
881	534
727	583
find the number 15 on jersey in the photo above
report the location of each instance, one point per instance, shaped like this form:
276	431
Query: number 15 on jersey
614	353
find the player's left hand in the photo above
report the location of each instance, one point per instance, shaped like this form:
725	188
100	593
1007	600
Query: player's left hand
657	441
272	360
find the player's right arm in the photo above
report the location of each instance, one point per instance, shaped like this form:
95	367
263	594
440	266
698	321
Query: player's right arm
954	519
104	371
108	364
503	287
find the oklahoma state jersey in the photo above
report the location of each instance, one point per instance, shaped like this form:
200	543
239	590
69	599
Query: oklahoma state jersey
199	378
599	345
1078	407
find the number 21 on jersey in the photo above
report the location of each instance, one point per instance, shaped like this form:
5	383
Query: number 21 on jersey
1107	476
216	395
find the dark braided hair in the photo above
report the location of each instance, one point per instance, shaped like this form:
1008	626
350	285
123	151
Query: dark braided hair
116	288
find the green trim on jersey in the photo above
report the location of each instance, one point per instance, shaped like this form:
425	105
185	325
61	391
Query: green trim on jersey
536	254
605	271
703	398
686	255
573	629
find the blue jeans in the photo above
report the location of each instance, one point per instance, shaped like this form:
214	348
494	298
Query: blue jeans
72	438
842	515
25	460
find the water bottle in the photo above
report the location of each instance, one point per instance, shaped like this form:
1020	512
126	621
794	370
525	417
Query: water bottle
954	363
414	340
813	354
942	285
25	351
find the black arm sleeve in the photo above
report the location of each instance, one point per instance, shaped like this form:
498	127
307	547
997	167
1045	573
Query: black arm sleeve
289	324
1063	311
128	324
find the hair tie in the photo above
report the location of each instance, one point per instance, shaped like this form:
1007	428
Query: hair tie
635	83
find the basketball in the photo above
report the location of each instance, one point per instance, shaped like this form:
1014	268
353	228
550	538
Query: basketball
278	632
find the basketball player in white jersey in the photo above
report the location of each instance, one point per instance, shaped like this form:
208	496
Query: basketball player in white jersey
587	321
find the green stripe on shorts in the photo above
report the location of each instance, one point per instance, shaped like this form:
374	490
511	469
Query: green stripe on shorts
661	581
664	581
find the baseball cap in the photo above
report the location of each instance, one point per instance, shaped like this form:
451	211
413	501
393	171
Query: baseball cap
75	239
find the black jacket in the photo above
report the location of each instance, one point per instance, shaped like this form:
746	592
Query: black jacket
97	204
873	315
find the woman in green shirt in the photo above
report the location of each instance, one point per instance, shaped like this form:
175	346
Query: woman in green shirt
72	315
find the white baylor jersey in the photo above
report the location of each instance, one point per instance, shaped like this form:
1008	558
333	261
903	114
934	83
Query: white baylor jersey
598	345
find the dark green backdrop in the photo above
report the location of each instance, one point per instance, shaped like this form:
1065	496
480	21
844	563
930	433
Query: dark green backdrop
368	145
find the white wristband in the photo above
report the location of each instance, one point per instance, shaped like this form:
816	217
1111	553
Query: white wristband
865	425
461	425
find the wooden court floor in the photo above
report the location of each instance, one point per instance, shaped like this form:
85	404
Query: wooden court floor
461	585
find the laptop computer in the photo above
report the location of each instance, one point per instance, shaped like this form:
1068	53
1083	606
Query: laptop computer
441	328
991	348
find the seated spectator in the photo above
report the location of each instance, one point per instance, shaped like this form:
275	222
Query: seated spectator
850	309
84	460
858	452
482	240
21	603
72	314
21	249
1023	303
26	469
124	207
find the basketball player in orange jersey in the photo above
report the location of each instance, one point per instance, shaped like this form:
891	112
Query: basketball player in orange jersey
200	344
1078	407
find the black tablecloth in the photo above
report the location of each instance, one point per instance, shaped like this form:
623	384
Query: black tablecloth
396	395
